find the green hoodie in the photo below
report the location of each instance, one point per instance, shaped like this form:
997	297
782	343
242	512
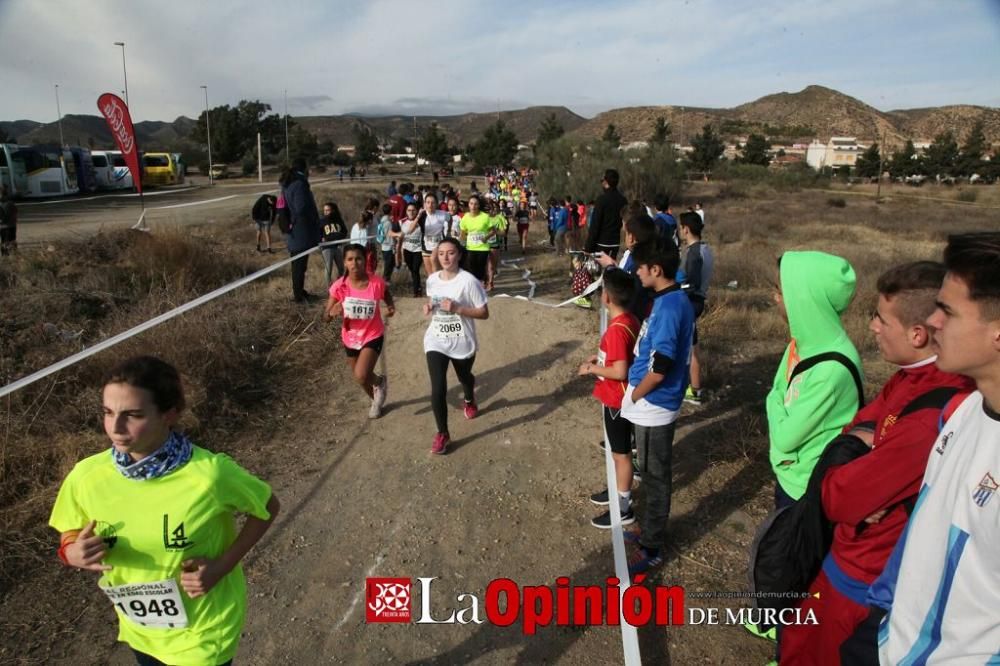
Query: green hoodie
804	417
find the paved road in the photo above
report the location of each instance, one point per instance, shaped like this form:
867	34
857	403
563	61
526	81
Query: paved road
74	217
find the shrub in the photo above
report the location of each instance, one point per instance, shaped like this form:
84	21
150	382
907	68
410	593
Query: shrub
568	168
836	202
968	196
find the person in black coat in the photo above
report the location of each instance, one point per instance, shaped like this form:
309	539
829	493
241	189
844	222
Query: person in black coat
606	223
305	232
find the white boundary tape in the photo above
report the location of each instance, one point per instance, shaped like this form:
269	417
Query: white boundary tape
155	321
630	637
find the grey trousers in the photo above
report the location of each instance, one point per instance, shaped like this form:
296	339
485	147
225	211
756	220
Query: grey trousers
655	451
333	255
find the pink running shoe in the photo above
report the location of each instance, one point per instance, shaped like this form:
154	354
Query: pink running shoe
471	410
440	445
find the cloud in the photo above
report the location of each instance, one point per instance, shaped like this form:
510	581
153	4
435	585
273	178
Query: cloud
395	56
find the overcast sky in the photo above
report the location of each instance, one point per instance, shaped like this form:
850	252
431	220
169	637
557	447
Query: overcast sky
452	56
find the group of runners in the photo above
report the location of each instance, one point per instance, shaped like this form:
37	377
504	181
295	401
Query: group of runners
175	581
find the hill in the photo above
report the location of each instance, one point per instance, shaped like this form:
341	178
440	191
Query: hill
92	131
460	130
814	112
15	129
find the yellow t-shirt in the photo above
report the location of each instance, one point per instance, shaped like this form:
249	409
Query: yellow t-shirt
476	227
150	527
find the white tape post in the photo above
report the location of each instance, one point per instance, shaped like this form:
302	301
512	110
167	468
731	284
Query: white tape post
155	321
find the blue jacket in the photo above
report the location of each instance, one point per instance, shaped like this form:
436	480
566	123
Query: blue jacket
305	218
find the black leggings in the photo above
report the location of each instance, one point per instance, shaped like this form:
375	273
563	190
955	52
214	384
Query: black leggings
388	264
414	261
437	366
477	261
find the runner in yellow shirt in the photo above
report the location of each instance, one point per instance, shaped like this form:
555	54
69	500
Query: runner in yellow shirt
154	516
477	229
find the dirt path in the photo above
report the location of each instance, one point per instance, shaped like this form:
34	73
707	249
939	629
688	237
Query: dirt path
366	498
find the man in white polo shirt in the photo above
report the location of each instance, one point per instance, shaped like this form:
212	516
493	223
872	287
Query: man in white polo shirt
942	584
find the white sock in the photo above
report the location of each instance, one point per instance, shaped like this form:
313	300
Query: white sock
623	500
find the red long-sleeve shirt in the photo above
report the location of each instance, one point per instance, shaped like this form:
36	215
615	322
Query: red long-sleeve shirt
890	473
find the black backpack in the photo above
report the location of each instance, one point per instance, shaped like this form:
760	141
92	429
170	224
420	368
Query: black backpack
788	550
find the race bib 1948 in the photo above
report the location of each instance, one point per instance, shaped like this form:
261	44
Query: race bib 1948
156	604
359	308
447	326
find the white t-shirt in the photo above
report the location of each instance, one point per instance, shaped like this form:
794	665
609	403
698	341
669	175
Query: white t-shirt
435	226
359	235
413	241
450	334
947	589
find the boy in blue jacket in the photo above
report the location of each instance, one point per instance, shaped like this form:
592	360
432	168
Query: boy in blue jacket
652	402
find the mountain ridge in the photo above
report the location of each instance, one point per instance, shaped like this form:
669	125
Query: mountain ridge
813	112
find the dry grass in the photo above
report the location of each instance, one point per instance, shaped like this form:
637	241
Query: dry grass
748	234
235	355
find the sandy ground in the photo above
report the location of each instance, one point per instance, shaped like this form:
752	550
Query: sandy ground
366	498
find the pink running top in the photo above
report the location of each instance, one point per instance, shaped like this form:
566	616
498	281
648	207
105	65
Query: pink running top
362	315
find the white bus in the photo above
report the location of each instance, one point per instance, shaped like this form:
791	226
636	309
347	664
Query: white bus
13	174
122	177
51	171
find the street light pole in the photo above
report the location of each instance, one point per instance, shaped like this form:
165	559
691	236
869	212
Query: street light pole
208	132
124	71
288	157
62	143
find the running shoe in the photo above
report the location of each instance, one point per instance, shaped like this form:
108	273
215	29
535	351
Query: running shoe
583	302
769	635
603	521
375	410
471	410
694	397
440	445
600	499
381	391
643	561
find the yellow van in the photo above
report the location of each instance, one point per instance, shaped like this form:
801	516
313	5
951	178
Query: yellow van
161	169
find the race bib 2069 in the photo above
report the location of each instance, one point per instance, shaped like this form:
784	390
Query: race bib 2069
447	326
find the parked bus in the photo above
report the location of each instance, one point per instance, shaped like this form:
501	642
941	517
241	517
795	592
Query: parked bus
13	174
51	171
86	178
122	176
161	169
104	173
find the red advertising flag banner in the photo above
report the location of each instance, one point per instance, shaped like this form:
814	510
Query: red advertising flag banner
114	110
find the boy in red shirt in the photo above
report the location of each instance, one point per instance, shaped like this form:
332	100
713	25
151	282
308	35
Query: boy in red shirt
867	498
610	366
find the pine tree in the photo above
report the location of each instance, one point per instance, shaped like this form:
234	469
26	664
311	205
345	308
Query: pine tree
868	162
755	150
550	130
611	135
708	148
661	132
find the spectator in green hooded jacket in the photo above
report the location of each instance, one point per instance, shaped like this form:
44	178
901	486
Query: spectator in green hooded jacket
808	410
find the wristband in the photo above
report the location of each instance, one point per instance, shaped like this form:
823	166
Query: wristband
62	552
